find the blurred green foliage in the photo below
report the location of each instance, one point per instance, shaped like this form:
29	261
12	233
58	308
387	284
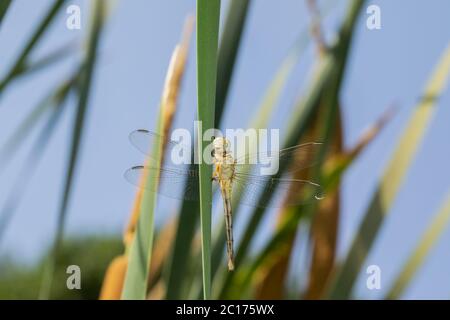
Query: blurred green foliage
91	253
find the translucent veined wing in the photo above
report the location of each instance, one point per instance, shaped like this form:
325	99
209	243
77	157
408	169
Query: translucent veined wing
183	184
175	183
181	181
299	157
294	192
175	152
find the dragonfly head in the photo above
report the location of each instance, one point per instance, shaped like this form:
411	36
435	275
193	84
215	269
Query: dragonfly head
221	145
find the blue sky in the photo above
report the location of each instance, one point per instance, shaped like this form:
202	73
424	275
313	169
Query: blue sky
391	64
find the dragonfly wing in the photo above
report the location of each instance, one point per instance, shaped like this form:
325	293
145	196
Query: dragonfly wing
174	183
298	157
175	152
251	189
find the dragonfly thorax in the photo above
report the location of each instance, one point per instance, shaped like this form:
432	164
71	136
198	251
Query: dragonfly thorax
223	159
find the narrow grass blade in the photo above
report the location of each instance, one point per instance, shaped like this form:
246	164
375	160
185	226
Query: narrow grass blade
19	187
140	251
46	61
180	253
86	77
25	128
139	236
426	243
208	15
229	45
390	182
41	29
139	255
4	5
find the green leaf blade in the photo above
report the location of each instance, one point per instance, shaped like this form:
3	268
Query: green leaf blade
136	278
86	78
42	28
228	50
426	243
390	182
208	15
4	5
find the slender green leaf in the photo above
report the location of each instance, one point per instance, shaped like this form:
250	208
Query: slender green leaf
229	45
41	29
138	275
29	167
140	252
429	238
4	5
208	15
48	60
85	77
175	272
390	182
24	129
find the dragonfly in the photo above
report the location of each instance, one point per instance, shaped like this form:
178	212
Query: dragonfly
239	178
